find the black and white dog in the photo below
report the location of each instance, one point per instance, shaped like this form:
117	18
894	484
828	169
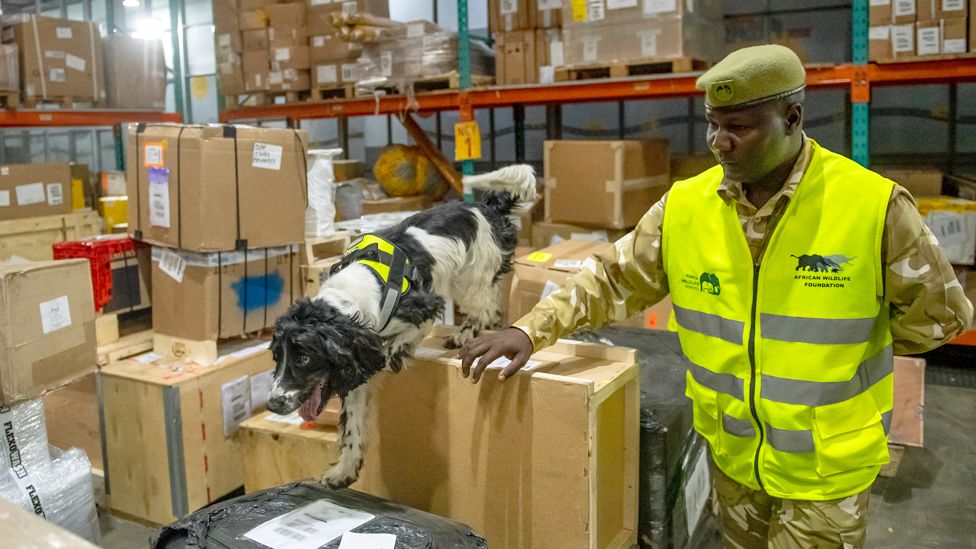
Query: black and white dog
333	343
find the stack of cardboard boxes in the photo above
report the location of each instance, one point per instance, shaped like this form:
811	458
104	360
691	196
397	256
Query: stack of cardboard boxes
618	32
333	60
909	29
49	324
528	40
229	47
274	40
223	207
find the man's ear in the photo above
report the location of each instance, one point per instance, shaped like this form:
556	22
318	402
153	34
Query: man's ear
794	118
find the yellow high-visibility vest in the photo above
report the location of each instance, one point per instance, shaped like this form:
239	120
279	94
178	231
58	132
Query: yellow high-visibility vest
791	360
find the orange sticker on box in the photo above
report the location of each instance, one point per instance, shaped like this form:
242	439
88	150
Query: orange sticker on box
539	257
153	155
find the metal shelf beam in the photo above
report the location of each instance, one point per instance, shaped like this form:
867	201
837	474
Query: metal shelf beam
80	118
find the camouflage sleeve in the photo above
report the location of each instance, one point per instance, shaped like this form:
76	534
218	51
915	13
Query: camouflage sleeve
610	287
927	305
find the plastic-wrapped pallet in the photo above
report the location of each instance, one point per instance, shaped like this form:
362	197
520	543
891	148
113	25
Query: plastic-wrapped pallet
670	449
417	51
294	513
40	478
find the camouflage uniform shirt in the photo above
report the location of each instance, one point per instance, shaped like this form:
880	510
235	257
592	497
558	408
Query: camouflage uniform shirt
927	305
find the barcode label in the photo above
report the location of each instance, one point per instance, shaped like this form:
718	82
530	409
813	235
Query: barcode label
953	5
289	533
56	75
568	263
172	264
64	33
621	4
314	525
31	193
957	45
152	156
509	7
236	400
654	7
159	197
948	227
55	194
648	44
595	10
326	74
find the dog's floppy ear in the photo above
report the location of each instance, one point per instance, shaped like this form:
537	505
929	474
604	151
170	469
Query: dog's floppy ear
356	352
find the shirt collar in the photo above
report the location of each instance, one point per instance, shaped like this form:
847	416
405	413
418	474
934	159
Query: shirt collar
731	190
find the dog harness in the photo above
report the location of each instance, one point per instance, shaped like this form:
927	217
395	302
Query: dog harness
389	262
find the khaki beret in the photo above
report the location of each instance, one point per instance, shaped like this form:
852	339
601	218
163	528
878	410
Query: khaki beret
752	75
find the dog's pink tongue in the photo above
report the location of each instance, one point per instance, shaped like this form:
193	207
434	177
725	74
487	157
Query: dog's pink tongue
309	409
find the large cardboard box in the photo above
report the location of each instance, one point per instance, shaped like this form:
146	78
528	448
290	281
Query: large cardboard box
941	9
902	41
170	426
289	58
59	58
289	79
954	36
879	43
216	188
920	183
546	233
542	272
47	327
203	297
254	40
278	450
519	56
928	38
230	76
9	68
512	15
33	190
886	12
547	460
287	38
135	73
604	183
655	39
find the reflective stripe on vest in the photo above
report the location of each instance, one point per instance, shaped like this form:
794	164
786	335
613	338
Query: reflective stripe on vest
791	361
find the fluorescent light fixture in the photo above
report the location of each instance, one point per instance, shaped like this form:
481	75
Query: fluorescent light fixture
149	28
130	3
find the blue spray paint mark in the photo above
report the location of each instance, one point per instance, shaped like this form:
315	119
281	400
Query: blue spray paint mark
257	292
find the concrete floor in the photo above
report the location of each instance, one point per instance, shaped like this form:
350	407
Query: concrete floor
929	503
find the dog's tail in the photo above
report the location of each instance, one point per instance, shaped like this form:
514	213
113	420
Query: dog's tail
517	180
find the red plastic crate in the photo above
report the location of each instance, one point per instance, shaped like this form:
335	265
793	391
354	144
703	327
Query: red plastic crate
99	251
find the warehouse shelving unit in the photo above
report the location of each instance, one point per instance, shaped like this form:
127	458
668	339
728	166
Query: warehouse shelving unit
18	118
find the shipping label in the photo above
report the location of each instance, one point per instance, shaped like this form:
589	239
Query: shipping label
55	194
266	156
159	197
55	314
31	193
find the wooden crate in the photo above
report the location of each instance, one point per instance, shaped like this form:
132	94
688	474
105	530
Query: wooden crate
277	453
321	247
549	459
71	415
32	238
166	453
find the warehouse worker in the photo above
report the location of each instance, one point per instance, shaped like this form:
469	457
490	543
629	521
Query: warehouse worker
795	275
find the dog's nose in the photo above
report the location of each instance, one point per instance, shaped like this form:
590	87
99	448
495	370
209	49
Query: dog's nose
278	402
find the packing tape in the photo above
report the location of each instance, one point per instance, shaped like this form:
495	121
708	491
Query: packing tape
40	58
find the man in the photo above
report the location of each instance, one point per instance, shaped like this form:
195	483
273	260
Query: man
795	275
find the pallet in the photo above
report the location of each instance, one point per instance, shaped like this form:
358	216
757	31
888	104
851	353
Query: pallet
446	82
10	99
631	68
341	91
126	346
31	238
66	103
923	58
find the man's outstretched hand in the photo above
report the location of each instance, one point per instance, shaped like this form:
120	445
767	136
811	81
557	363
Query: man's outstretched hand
511	343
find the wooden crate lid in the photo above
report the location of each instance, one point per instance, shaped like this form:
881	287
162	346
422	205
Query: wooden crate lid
601	368
167	371
263	424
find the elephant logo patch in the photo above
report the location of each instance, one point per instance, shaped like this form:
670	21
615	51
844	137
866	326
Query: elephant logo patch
709	283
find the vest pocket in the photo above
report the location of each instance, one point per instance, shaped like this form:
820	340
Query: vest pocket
705	407
849	435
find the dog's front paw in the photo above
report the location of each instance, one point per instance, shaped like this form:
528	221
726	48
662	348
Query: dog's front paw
458	339
336	481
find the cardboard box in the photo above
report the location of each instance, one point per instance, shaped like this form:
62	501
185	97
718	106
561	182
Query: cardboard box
886	12
230	74
277	450
47	327
59	58
519	57
33	190
548	460
317	16
928	38
289	80
632	174
540	273
225	15
953	222
967	279
545	233
9	68
908	413
256	61
135	73
219	196
114	211
513	15
655	39
287	38
344	170
286	16
528	215
184	417
879	43
941	9
972	26
229	39
332	49
203	297
902	41
254	40
256	81
289	58
954	36
918	182
397	204
24	529
253	19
